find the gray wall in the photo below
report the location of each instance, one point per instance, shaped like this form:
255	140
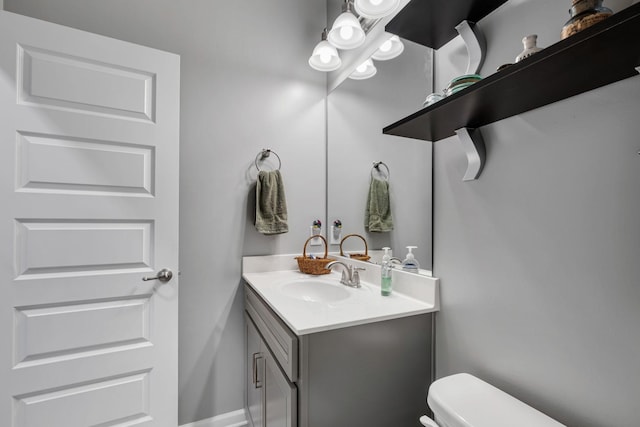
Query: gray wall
538	259
356	113
245	86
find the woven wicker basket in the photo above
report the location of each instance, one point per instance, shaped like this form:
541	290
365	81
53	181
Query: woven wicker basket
314	265
360	257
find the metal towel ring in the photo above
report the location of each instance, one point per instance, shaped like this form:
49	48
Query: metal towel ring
265	153
376	166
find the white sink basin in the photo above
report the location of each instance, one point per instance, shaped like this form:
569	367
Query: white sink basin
310	304
315	290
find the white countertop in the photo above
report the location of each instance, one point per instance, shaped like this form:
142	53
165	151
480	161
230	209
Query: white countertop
363	305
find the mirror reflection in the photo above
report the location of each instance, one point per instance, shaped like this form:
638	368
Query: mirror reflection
365	166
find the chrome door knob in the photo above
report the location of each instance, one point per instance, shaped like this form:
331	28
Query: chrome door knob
163	275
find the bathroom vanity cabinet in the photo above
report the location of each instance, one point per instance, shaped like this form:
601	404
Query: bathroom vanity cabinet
374	374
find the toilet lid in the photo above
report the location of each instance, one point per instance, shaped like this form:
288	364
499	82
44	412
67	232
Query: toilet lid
463	400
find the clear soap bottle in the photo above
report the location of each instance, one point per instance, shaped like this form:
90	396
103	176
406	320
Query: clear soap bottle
410	263
385	273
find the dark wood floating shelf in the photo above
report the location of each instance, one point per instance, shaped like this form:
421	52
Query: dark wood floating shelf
600	55
432	23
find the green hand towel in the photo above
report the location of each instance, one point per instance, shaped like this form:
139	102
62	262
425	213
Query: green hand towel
377	216
271	205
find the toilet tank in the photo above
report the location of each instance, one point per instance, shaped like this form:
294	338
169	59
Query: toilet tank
463	400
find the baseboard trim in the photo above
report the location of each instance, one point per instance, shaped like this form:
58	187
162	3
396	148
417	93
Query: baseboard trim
230	419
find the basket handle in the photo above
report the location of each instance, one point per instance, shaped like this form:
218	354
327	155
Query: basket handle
366	248
326	249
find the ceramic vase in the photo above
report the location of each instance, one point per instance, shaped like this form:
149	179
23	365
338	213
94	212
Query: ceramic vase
530	47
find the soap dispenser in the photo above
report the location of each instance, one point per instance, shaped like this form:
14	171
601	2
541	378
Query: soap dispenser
385	273
410	263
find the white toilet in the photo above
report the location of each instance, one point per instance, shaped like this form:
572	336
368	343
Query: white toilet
463	400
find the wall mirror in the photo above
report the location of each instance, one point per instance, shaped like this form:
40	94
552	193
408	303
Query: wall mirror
357	111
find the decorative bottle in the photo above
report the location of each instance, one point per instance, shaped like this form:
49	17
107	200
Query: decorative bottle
530	47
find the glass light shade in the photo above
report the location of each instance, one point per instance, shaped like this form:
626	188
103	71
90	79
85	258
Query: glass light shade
376	9
390	49
346	32
325	57
364	71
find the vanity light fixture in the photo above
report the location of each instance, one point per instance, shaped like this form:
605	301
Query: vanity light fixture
325	57
364	71
390	49
375	9
346	32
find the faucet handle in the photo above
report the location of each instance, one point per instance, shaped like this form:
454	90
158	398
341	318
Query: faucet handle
355	276
344	279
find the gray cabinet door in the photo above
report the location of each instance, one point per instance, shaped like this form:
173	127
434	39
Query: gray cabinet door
272	401
280	396
254	375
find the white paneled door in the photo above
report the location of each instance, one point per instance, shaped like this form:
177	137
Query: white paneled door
88	207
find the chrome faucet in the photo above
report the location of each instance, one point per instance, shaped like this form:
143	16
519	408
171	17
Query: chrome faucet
350	276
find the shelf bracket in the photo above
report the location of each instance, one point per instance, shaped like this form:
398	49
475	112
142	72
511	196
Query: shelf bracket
476	45
473	145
